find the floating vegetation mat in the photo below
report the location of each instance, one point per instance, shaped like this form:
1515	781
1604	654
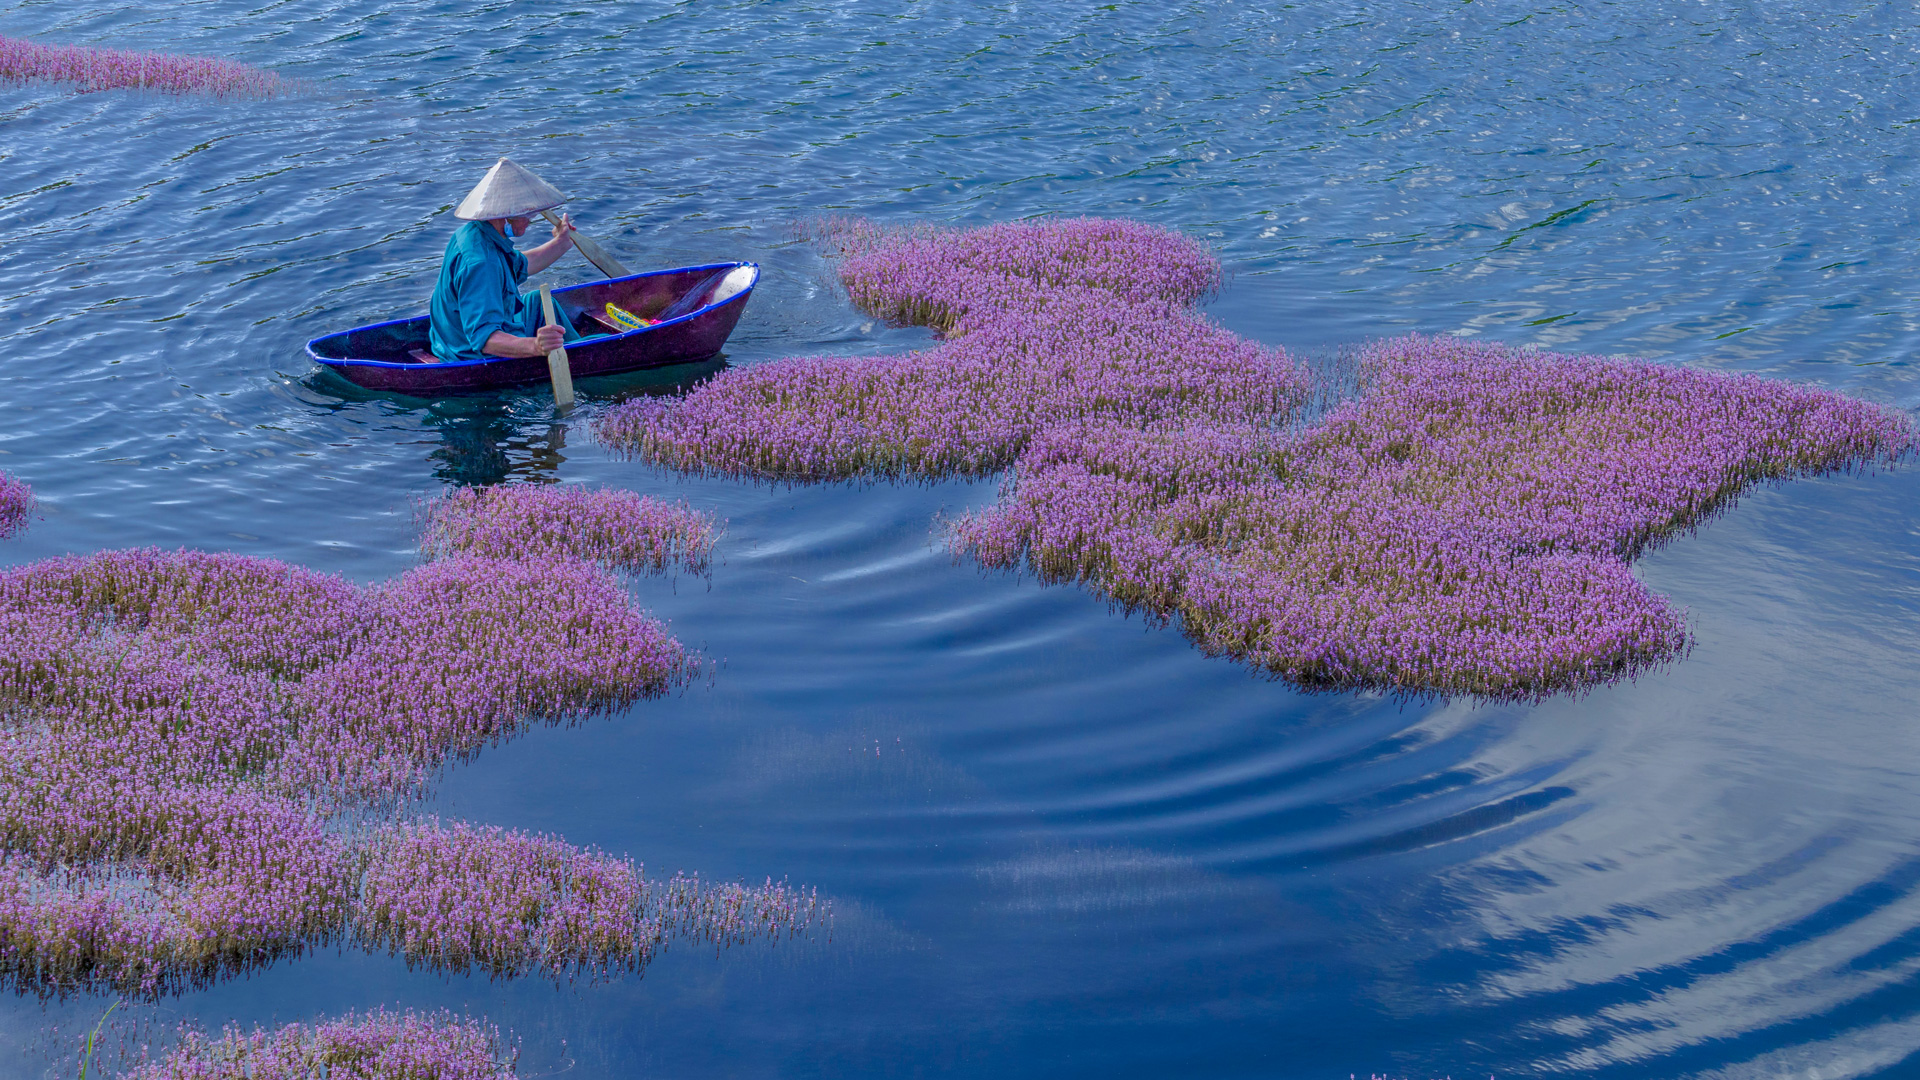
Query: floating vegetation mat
460	897
16	505
88	69
205	761
1463	526
380	1045
616	529
1047	324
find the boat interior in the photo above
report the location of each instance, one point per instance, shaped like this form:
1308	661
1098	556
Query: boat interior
652	298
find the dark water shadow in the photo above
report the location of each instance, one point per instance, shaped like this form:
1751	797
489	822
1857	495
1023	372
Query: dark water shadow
485	444
514	435
672	380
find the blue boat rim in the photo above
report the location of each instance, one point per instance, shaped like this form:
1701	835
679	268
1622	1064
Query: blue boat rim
447	364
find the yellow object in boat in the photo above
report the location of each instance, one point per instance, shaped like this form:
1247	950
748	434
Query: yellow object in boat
627	320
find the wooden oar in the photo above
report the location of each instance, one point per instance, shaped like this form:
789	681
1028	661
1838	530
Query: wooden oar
595	254
557	368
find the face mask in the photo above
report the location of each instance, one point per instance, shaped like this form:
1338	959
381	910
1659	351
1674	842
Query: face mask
510	232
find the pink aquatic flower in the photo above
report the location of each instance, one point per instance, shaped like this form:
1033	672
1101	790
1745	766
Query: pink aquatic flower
1463	526
1047	324
88	69
458	897
617	529
197	750
16	505
465	651
380	1045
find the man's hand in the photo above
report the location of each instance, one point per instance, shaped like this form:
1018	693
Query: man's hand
544	341
546	254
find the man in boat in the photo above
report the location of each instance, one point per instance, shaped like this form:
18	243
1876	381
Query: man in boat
478	310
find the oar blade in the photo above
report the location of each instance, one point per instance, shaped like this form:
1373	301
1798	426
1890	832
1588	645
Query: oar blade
591	248
598	256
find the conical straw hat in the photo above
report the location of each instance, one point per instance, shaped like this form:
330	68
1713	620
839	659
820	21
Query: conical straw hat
507	191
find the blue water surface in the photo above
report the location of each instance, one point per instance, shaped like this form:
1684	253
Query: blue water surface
1059	843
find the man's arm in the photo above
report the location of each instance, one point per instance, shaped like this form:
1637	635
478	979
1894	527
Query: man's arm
545	341
547	254
480	285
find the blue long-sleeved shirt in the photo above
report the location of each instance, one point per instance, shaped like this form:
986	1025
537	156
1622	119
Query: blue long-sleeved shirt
479	292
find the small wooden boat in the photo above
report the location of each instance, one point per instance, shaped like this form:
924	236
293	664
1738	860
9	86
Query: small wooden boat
697	307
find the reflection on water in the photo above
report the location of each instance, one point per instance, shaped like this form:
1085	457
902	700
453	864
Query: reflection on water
483	444
672	380
496	437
